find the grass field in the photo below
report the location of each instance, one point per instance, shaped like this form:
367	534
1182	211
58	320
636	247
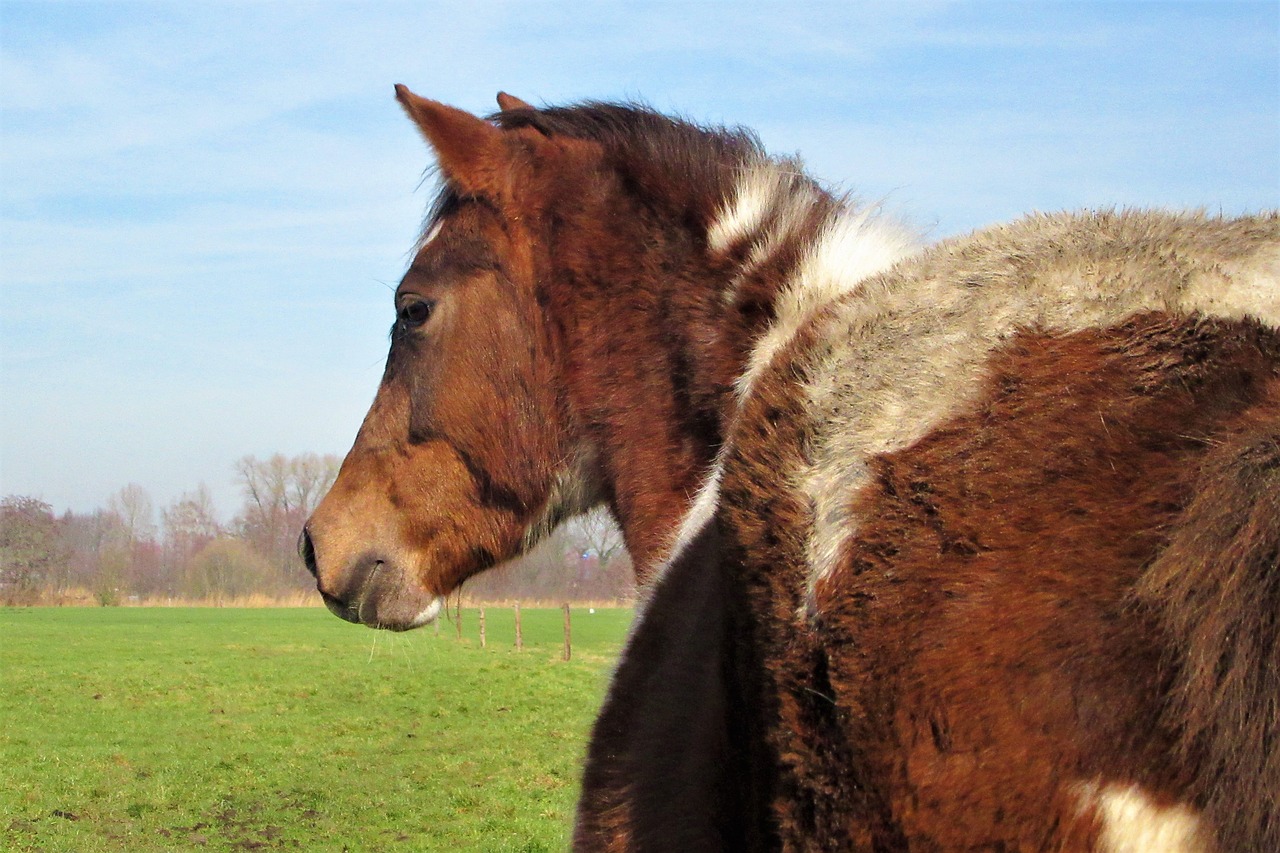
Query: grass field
278	729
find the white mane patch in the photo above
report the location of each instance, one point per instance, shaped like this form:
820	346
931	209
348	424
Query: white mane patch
770	207
851	248
762	189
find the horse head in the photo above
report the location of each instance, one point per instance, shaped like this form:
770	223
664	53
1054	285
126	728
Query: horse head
585	295
465	458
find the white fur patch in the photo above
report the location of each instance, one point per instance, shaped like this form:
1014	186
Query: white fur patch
757	192
429	613
770	206
1241	289
906	351
1130	822
430	236
852	247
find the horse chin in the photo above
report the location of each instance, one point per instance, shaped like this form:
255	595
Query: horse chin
389	601
396	617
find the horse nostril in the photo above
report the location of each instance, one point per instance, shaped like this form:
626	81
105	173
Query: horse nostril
307	552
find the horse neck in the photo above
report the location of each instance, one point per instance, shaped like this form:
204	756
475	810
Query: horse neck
671	318
645	371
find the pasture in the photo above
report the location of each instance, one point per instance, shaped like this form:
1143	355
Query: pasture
225	729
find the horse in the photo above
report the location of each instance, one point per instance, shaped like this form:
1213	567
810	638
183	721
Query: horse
963	546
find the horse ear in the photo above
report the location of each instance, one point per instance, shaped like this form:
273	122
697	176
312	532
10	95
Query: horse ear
511	102
470	149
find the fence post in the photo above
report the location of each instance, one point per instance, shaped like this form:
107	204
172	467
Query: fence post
482	642
519	635
567	644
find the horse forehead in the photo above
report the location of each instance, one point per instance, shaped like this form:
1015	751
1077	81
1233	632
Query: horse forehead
451	255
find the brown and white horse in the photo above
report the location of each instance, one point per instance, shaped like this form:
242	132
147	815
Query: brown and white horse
971	547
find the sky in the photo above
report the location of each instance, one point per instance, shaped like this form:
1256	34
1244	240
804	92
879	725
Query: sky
205	206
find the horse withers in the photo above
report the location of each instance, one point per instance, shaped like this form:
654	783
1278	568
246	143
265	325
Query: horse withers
966	547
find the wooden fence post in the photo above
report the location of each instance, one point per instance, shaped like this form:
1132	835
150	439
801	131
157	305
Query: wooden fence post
519	635
482	642
567	645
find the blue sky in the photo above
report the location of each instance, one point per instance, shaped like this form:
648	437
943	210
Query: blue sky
203	206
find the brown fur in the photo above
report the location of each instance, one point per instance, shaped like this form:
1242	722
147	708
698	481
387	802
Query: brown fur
1082	458
1216	593
978	662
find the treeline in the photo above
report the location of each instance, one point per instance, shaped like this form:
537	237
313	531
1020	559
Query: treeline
127	552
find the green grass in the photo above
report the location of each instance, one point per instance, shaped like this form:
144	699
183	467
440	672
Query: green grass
219	729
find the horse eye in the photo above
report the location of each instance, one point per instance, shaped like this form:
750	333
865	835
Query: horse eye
416	313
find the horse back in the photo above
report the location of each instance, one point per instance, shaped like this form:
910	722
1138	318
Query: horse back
987	641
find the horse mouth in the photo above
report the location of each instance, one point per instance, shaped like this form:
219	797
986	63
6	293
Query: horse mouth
339	608
386	600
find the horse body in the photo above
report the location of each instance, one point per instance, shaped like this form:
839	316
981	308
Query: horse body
957	643
972	547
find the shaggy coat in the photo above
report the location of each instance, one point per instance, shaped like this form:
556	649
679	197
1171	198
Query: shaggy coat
998	534
972	547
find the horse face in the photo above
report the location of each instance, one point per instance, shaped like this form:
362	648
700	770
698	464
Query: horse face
456	464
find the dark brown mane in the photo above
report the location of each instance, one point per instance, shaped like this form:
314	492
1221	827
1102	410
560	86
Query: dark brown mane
668	161
631	127
664	159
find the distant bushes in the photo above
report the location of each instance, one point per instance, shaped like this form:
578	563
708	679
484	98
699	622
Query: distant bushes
120	555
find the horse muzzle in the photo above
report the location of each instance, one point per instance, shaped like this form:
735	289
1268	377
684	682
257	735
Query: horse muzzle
372	591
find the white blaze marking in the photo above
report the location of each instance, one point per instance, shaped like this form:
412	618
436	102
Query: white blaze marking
429	237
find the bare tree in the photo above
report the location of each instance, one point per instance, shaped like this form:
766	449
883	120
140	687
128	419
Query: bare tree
280	493
132	504
596	535
191	516
227	568
582	560
137	559
190	523
312	475
96	548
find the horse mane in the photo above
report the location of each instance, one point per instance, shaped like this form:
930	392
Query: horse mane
673	163
635	128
